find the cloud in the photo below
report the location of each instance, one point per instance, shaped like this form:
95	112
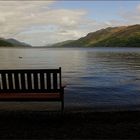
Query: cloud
125	18
61	24
15	16
132	17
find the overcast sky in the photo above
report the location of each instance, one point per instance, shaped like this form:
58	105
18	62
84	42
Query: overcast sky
47	22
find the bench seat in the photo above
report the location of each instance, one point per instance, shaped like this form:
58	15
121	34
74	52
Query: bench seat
30	97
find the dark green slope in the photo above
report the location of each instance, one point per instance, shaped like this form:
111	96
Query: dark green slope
62	43
127	37
4	43
12	43
124	36
18	43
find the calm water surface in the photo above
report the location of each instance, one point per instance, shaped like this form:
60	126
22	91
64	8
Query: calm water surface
95	77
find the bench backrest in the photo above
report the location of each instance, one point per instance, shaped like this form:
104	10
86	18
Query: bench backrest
30	80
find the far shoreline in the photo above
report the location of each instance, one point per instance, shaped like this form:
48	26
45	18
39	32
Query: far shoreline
101	47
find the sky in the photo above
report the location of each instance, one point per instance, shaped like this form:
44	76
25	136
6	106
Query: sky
46	22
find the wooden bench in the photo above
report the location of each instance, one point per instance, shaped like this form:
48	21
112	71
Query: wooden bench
31	85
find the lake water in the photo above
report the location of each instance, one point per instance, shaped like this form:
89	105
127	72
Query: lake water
95	77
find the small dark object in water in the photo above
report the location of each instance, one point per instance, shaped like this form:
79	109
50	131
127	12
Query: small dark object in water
20	57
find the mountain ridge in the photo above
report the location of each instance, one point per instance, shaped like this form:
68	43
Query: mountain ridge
122	36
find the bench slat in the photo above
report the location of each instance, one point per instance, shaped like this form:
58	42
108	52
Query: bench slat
55	80
42	81
23	87
35	81
30	70
29	81
29	96
48	81
16	81
4	83
10	81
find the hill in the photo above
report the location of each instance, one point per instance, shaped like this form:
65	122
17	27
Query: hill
12	43
123	36
5	43
18	43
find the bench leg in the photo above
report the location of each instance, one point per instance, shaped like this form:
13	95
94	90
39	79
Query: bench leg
62	101
62	106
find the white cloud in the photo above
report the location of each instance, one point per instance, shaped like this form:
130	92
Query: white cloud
132	17
53	24
138	8
15	16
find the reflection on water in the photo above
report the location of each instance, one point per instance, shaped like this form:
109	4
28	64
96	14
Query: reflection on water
94	76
